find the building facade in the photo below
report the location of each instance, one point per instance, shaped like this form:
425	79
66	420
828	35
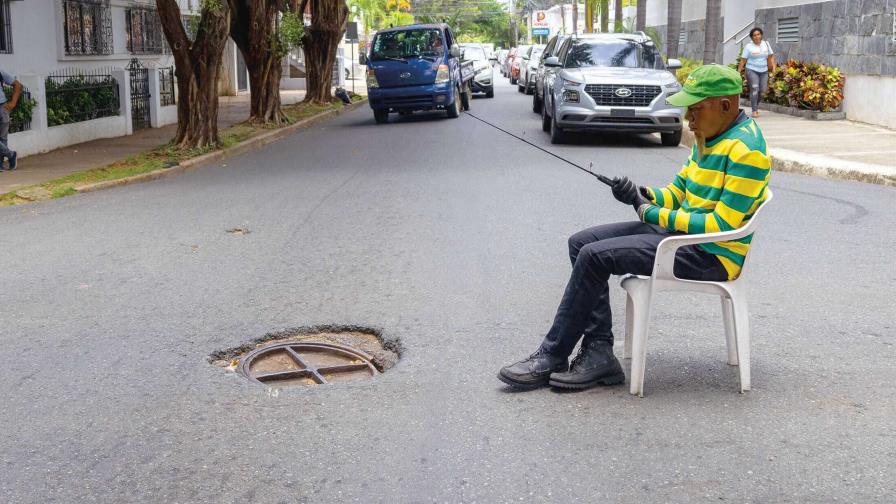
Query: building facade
94	68
857	36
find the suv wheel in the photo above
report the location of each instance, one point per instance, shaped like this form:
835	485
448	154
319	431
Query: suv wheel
536	103
545	118
557	136
671	139
490	93
529	89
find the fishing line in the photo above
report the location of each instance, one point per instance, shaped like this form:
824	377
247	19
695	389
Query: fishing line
610	182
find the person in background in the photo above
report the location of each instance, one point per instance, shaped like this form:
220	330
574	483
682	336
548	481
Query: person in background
759	59
6	108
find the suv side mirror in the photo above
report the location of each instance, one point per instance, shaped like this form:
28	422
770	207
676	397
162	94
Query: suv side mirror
454	51
553	61
673	64
362	59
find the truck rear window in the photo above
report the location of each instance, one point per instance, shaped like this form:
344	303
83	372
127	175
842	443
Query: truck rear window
426	42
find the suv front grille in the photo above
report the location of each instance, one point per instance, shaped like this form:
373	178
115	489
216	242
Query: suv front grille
605	95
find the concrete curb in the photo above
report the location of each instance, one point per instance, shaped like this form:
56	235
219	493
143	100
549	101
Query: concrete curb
240	148
788	161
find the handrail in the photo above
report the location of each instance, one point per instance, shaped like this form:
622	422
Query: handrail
752	22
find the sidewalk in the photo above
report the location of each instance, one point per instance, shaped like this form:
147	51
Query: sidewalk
844	149
836	149
43	167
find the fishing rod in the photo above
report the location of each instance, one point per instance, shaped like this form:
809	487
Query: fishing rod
606	180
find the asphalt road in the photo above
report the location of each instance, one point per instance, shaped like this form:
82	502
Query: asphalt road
451	238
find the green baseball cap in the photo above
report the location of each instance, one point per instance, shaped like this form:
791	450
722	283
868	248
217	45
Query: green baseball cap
705	82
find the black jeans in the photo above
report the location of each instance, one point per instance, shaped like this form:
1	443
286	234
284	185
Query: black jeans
614	249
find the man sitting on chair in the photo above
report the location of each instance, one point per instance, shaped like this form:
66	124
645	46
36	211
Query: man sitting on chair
719	188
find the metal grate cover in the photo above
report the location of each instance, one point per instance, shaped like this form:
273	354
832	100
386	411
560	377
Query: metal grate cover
605	95
297	363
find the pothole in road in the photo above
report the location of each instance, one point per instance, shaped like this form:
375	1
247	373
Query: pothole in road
311	356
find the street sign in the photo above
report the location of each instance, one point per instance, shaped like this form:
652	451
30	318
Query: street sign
540	31
540	20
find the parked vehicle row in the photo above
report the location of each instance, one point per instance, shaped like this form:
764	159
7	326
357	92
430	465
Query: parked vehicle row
599	82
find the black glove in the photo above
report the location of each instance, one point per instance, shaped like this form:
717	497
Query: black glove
630	193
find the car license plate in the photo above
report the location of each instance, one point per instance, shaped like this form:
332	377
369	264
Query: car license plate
622	112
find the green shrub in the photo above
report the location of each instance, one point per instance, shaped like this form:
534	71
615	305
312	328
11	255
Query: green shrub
809	86
687	66
20	115
81	98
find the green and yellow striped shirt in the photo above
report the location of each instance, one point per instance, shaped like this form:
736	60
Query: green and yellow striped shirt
718	192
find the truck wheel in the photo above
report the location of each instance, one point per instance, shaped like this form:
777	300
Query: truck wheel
455	108
545	119
557	136
381	116
671	139
466	97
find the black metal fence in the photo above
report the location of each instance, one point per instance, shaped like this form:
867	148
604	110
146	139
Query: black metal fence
20	117
75	96
166	86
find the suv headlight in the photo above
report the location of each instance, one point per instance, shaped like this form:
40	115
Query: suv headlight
570	96
673	87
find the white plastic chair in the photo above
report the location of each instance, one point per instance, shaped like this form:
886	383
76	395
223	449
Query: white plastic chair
735	316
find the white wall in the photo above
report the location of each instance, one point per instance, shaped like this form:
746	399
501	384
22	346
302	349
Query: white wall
657	13
767	4
869	98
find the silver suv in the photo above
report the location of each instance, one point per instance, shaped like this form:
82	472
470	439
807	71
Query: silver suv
610	82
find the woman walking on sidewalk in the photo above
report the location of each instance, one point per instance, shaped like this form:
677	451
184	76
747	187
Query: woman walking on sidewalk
759	59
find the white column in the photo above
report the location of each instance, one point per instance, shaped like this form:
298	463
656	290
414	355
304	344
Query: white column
37	87
155	99
124	98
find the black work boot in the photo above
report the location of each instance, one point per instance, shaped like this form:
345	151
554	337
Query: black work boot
594	364
534	371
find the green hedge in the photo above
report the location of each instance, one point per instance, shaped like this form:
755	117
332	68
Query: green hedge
77	98
20	117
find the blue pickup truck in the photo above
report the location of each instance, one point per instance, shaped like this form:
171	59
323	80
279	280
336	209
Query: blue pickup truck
417	67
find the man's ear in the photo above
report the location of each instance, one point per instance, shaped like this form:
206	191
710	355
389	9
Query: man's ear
725	104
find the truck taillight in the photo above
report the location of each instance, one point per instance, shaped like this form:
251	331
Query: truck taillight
442	75
371	79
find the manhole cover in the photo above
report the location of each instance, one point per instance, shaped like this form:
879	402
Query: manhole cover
303	363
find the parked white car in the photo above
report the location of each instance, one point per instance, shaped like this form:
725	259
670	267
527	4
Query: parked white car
529	69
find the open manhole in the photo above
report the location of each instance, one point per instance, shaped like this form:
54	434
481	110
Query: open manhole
311	356
306	364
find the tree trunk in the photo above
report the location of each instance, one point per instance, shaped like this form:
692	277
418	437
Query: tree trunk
673	28
712	29
253	27
589	16
604	16
617	19
320	41
197	65
575	16
641	19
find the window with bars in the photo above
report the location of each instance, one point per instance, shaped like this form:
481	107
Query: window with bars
682	38
788	30
88	27
5	28
145	35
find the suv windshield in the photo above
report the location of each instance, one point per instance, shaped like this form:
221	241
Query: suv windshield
613	53
407	44
474	53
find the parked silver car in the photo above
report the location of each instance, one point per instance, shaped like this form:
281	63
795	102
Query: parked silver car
611	82
528	67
